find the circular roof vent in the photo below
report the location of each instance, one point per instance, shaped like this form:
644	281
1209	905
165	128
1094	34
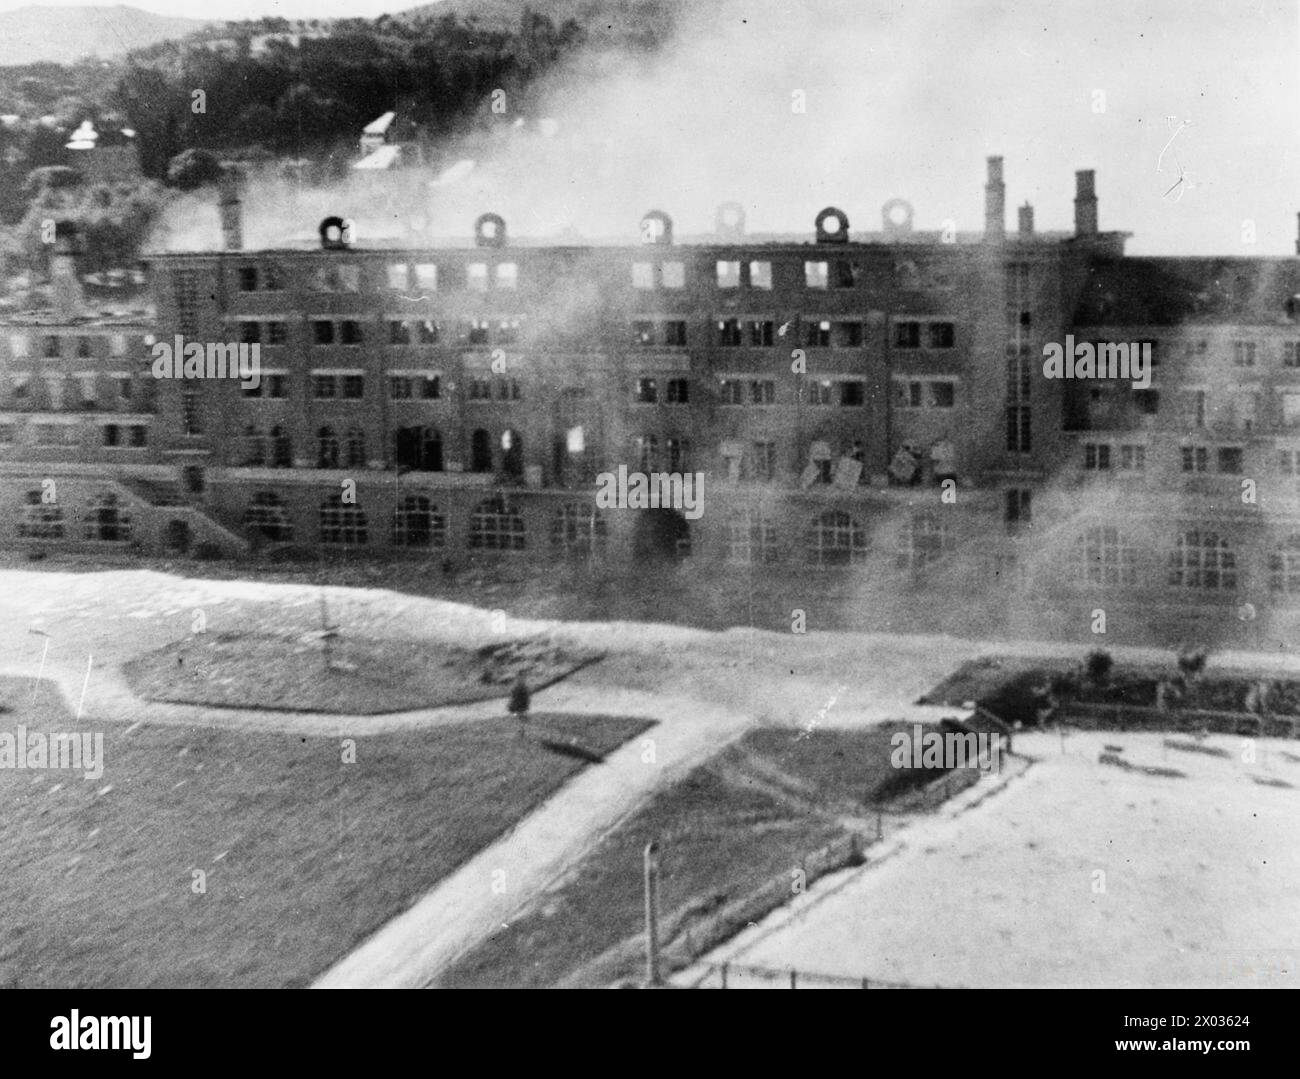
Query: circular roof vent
730	221
335	234
490	231
832	226
896	216
657	228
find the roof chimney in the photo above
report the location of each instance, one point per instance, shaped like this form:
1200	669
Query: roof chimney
995	202
1026	215
232	210
65	285
1085	203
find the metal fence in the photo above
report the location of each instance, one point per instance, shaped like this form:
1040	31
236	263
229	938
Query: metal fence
751	976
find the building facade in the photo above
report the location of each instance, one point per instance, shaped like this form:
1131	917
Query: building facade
460	403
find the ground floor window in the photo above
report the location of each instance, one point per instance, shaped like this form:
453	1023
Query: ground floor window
342	523
835	539
496	526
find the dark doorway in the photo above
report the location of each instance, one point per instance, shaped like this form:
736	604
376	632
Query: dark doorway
661	535
480	451
178	536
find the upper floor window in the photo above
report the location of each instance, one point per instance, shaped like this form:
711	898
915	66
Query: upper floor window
816	274
728	274
1243	353
760	275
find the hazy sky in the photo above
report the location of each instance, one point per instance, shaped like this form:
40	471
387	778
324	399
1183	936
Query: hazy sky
907	99
239	9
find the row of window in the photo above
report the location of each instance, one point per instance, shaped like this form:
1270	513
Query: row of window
1126	457
60	346
87	386
351	277
63	435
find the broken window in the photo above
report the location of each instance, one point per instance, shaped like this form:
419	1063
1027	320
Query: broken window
942	335
907	335
399	276
1230	459
942	394
820	392
1132	458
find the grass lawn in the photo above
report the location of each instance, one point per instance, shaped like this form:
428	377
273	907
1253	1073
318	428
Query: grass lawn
304	856
748	815
365	677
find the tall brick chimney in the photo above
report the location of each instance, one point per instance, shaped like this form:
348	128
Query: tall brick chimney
65	285
232	210
1085	203
995	202
1026	220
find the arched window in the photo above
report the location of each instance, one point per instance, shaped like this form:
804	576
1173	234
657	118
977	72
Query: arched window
1202	560
342	523
751	539
480	451
835	539
267	516
923	542
40	519
578	528
1284	567
496	526
327	448
1104	556
417	523
108	521
512	454
356	448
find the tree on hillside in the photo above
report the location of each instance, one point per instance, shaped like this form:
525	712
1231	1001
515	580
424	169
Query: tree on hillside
192	169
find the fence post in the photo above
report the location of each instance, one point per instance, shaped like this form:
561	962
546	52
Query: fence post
792	978
651	913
